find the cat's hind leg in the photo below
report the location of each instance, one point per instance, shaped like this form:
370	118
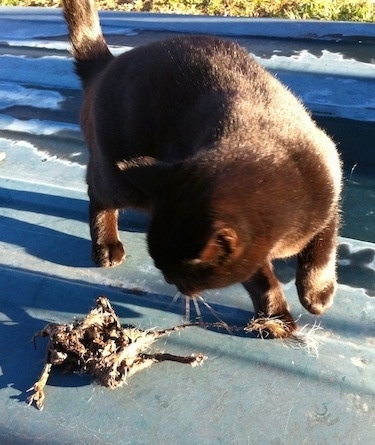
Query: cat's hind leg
316	279
271	308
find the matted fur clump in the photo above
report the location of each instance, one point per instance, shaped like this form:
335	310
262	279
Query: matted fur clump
275	327
100	347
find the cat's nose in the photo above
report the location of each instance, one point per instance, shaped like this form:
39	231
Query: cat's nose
186	290
182	286
168	279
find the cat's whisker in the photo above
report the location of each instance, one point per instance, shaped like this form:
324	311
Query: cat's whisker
197	309
187	308
176	297
215	314
196	299
174	300
212	311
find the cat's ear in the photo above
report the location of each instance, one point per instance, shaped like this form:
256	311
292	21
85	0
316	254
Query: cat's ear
223	245
148	174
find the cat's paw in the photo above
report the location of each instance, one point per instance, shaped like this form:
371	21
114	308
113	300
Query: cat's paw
273	326
317	300
108	255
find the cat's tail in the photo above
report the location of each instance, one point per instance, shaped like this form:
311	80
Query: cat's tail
89	47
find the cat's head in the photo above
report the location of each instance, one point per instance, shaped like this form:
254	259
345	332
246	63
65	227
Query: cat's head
195	247
193	251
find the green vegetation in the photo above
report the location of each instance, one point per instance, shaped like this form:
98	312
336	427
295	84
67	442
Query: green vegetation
348	10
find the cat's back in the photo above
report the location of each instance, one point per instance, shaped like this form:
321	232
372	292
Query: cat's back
168	93
182	69
173	98
188	56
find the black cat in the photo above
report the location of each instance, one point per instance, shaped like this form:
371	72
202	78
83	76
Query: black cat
229	164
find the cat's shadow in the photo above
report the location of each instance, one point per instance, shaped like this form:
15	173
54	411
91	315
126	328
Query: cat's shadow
47	243
354	268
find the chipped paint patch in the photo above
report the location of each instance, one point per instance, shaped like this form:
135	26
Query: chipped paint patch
360	362
12	94
35	126
356	403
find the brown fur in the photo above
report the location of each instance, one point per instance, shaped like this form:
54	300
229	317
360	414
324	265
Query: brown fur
231	167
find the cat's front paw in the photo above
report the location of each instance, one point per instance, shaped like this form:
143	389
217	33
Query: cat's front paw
317	299
282	326
108	255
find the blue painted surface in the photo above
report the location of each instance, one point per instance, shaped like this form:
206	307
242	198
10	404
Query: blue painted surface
249	390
